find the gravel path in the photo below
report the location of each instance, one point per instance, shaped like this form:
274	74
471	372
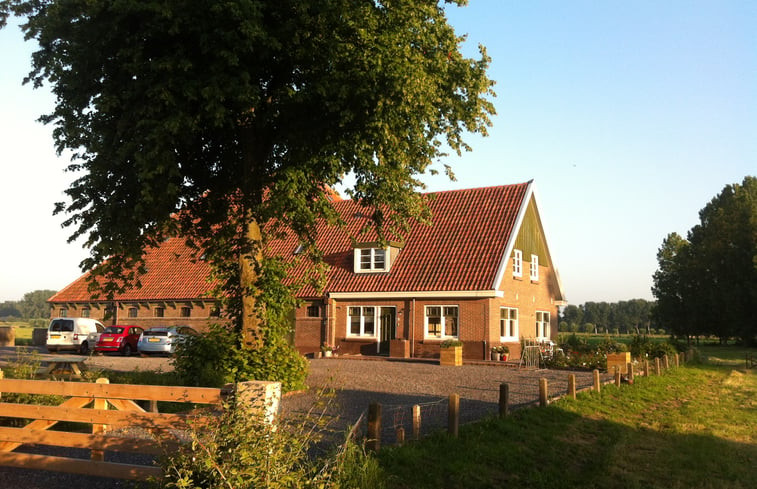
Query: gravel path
397	385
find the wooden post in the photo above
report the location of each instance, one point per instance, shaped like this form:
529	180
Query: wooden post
454	414
630	372
416	422
572	386
657	366
543	392
646	367
374	427
99	455
617	377
153	406
1	378
677	359
504	399
400	435
667	362
597	386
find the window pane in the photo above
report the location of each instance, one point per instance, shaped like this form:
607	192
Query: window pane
365	259
433	311
354	324
450	325
503	312
379	259
368	324
435	326
354	311
450	311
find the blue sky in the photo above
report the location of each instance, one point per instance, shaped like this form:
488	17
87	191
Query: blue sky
629	116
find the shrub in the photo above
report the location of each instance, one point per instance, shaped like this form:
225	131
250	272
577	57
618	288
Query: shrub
450	343
238	449
218	357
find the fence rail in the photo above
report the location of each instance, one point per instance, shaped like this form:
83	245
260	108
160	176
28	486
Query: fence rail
108	408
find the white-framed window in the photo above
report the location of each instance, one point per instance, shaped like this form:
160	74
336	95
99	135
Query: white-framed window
508	323
542	324
361	321
132	312
517	263
371	260
534	268
85	312
442	322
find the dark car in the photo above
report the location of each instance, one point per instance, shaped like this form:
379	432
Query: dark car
119	338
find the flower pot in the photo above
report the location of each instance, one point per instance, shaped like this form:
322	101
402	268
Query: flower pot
327	353
495	356
504	356
451	355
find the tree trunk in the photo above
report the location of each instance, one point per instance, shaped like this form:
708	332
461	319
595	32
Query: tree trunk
248	274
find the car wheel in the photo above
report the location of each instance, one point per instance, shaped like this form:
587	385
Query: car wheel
51	350
127	350
84	348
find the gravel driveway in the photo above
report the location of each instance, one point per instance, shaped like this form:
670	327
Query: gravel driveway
395	384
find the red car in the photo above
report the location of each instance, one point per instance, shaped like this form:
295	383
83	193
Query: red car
119	338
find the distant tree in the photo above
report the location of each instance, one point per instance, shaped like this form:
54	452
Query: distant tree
707	284
9	309
34	304
573	316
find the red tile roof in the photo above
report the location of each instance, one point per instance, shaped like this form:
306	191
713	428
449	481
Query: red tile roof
461	251
172	274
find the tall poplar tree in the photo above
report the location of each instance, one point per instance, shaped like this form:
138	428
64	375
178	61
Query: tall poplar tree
220	121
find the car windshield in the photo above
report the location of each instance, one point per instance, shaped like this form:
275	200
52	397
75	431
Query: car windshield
62	325
113	330
152	332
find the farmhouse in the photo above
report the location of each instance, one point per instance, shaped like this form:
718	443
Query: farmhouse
480	273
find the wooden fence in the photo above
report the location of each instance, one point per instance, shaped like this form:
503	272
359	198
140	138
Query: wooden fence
109	409
373	416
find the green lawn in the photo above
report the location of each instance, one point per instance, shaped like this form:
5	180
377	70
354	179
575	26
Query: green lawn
693	427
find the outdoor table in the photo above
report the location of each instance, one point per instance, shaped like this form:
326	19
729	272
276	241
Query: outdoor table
72	364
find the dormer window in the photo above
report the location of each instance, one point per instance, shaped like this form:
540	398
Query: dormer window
372	259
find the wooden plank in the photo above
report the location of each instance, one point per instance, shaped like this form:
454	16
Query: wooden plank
126	405
79	466
40	424
199	395
94	416
85	440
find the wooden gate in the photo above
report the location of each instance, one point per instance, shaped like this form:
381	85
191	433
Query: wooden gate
108	408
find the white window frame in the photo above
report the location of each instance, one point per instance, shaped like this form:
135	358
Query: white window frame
512	321
534	268
362	333
543	328
517	263
373	254
442	309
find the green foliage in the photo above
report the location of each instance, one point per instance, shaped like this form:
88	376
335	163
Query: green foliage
218	357
450	343
33	305
641	347
240	450
616	317
707	283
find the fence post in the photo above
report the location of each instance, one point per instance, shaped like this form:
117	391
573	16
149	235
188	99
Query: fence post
100	403
677	360
400	435
543	392
667	362
617	376
504	399
657	366
374	427
597	387
630	372
454	414
646	367
1	378
572	386
417	422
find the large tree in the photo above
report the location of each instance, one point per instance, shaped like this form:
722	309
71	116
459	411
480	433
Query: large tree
222	120
708	283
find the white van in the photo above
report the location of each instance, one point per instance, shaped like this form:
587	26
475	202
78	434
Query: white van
73	334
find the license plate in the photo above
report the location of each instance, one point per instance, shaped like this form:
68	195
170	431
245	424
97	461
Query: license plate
153	340
54	336
107	339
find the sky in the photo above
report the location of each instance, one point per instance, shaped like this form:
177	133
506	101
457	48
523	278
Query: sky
628	116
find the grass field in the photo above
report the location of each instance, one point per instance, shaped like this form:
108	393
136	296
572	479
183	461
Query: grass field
693	427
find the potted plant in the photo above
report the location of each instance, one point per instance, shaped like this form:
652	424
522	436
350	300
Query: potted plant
504	352
451	352
327	350
495	354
